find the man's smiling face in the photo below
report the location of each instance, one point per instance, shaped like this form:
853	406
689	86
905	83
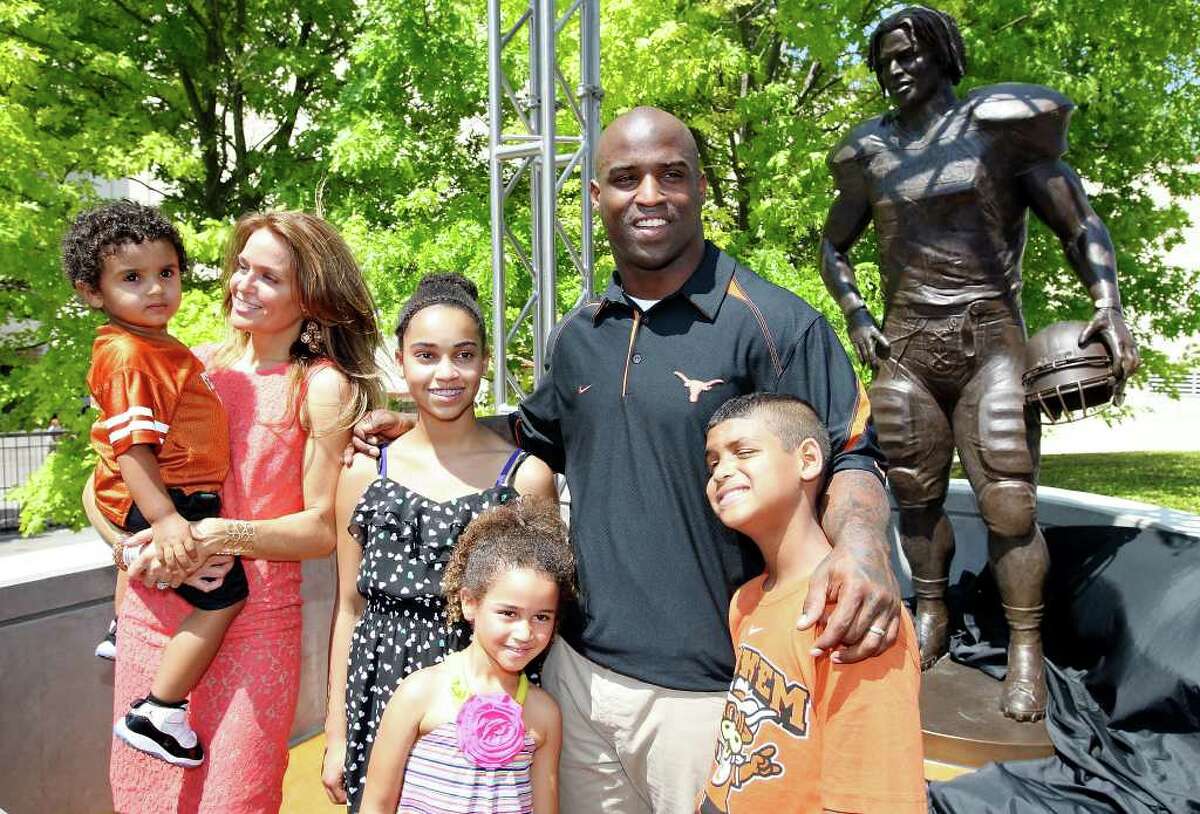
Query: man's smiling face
649	190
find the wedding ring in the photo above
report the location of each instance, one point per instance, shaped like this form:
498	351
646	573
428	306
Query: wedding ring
878	631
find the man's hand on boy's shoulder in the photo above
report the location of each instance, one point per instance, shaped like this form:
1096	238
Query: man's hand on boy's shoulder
865	620
856	575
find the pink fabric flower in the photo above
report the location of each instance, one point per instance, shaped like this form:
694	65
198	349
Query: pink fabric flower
491	730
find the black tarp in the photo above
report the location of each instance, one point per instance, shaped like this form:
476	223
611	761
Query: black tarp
1122	634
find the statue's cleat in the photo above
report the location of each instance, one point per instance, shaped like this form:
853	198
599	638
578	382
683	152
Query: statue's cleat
932	622
1024	695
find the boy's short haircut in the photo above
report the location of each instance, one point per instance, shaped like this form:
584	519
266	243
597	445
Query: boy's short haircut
790	419
99	232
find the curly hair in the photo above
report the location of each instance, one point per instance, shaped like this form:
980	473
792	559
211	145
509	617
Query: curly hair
443	289
99	232
525	533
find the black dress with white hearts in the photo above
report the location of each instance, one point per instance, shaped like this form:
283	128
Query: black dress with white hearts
406	539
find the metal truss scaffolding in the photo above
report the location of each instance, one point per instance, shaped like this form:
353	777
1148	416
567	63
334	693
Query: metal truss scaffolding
548	159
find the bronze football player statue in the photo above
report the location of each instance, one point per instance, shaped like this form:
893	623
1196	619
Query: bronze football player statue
948	183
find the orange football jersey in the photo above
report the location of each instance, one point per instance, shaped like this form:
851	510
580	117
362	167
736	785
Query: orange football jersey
153	390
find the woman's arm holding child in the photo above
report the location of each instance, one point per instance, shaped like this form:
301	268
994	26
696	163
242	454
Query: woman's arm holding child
398	731
307	533
207	578
545	716
347	609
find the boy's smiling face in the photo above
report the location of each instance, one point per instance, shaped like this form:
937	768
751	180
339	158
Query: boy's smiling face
753	481
139	286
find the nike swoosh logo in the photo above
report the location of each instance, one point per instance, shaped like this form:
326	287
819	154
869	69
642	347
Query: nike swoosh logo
754	630
583	388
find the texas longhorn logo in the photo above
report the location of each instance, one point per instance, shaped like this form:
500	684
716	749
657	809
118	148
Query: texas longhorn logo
695	387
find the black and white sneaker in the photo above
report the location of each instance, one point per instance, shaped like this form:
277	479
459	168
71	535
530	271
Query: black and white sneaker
162	732
107	649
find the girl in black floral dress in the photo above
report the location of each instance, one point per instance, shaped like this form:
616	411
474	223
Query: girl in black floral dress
402	518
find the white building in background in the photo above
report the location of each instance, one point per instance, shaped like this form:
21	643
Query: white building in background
139	189
1159	422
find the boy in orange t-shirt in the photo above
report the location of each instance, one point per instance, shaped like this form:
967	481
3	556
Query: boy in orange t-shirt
162	444
800	733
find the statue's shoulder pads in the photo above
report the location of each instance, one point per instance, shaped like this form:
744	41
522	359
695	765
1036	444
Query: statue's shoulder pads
1018	102
864	140
1031	120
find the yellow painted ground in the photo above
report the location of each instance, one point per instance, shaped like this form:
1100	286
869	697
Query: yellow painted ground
943	771
304	794
302	789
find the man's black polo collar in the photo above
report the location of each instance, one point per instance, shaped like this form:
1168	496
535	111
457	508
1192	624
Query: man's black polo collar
705	289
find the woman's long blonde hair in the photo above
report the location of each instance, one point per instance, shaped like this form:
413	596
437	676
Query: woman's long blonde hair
332	292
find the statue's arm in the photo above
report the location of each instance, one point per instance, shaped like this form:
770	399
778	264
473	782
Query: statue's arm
847	220
1056	196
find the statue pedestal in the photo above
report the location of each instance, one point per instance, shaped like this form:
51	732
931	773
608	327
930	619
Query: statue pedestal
962	723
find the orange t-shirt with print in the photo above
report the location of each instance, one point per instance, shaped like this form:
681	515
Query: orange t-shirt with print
802	734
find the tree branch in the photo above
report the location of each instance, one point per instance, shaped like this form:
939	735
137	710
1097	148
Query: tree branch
773	60
25	196
195	15
742	192
714	179
1013	22
300	93
810	80
237	92
146	21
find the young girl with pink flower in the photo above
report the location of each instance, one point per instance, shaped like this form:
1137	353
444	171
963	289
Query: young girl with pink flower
470	734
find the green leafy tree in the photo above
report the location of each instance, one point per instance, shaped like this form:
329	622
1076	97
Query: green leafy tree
216	103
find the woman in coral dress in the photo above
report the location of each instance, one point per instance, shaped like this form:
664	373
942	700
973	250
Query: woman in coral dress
297	373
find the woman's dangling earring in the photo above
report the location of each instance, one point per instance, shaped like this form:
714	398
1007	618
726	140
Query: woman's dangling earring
311	336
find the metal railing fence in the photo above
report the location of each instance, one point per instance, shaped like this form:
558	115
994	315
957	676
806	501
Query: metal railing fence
21	453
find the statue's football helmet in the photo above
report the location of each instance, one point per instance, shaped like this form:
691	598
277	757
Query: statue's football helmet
1067	381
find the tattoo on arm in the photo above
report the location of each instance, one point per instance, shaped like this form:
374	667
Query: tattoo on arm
855	513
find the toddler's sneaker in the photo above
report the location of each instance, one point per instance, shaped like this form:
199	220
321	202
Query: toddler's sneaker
107	649
160	731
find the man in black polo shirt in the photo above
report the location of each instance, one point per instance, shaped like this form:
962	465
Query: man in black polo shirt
644	659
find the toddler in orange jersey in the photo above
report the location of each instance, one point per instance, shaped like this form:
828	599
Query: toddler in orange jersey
800	733
162	439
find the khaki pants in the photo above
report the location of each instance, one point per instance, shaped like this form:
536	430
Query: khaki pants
628	747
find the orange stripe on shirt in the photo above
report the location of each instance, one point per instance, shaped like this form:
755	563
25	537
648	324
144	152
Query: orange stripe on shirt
862	414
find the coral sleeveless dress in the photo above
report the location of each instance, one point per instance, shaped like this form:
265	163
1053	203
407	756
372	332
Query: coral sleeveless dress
243	707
